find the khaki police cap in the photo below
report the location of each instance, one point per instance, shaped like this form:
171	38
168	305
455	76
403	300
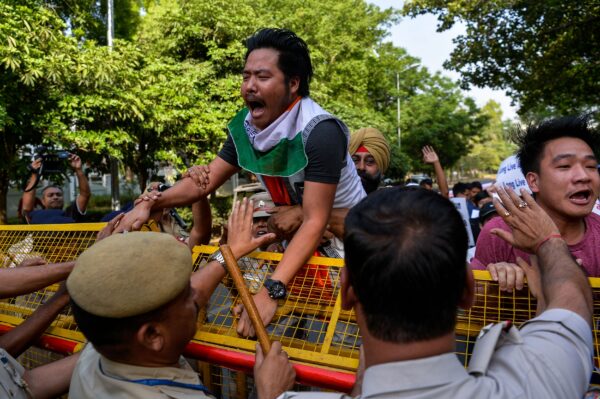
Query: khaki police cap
262	201
130	274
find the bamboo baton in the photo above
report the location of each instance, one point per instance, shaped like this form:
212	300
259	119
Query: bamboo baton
238	280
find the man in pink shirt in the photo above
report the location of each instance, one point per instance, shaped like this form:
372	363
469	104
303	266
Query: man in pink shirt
558	159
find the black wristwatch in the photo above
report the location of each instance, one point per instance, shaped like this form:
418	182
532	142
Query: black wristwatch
275	288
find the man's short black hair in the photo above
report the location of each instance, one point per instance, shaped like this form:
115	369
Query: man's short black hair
476	184
406	252
479	196
108	334
532	141
294	57
426	182
460	188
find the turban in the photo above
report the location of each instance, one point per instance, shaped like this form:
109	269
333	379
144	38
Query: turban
374	141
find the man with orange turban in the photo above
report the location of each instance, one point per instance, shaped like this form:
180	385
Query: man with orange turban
371	155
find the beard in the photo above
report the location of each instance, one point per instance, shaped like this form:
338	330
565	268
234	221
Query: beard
369	183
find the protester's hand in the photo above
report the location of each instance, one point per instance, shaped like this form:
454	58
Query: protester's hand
285	220
529	223
199	174
109	228
75	161
239	228
273	374
266	307
508	275
36	165
429	154
327	236
532	273
151	193
134	219
35	261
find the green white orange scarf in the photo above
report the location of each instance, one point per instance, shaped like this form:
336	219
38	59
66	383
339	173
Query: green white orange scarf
278	150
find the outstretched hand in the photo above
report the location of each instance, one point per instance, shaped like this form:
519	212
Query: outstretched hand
429	154
109	228
239	230
530	224
199	174
75	161
134	219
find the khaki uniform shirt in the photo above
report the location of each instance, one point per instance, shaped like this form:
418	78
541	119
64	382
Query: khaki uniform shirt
97	377
550	357
12	385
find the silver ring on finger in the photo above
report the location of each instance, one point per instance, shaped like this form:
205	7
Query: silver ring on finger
523	205
507	213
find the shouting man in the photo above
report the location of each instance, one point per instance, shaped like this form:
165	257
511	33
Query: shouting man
559	161
297	149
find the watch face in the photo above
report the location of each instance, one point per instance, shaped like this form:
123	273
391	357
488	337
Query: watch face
275	288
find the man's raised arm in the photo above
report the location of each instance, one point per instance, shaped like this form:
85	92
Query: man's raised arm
84	186
29	191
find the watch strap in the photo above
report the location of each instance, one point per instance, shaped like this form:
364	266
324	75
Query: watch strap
218	257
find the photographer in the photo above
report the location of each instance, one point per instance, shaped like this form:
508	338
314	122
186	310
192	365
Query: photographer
52	197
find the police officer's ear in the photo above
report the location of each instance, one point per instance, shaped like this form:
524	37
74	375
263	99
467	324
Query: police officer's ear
348	296
466	301
532	179
150	336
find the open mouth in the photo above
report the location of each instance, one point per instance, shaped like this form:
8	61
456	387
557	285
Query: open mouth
581	197
261	232
257	108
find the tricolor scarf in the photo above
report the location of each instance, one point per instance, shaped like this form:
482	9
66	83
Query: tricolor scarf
278	150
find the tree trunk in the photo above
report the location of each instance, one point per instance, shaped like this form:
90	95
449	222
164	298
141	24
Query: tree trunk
142	179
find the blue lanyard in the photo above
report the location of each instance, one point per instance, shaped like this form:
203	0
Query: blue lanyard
152	382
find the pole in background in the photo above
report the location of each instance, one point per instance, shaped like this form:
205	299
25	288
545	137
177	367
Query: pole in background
398	111
114	162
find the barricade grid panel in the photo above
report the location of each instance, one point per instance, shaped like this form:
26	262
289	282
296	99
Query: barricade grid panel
310	323
35	357
226	383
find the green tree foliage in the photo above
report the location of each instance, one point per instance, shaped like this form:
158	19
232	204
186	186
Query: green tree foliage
442	117
35	58
87	18
492	145
166	90
544	53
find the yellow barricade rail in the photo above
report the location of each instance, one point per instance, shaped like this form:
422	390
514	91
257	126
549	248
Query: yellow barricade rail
310	323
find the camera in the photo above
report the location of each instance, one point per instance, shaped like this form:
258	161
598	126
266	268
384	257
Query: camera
53	161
